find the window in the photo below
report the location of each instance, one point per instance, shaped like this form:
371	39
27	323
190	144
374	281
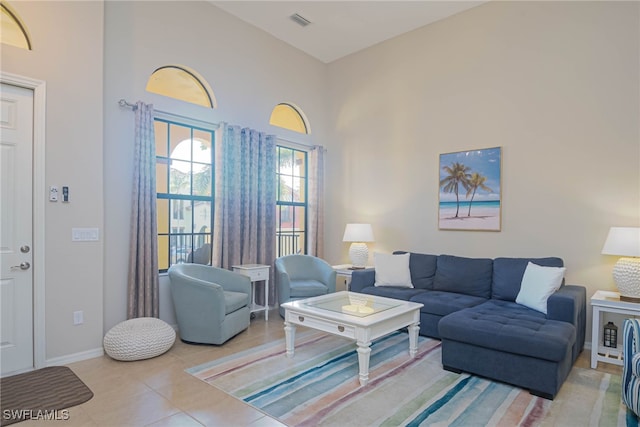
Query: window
288	116
181	83
12	29
291	204
184	182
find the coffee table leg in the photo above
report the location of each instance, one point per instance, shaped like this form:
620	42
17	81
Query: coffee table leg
364	352
290	338
413	339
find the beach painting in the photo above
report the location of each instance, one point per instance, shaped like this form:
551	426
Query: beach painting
469	196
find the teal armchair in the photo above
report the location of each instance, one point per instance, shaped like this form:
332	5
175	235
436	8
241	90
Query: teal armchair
211	304
302	276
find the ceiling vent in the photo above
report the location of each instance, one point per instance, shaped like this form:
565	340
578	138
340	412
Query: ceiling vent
300	20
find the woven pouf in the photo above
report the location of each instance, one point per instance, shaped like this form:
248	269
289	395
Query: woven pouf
137	339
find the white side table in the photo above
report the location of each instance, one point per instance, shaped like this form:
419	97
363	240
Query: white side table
256	273
343	271
608	302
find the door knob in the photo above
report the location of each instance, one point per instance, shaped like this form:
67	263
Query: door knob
23	266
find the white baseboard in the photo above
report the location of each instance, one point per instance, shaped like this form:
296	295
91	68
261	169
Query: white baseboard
76	357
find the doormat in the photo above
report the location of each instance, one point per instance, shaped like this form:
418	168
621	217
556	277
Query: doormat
44	394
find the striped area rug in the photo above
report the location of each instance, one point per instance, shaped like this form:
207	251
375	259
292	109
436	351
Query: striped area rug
319	387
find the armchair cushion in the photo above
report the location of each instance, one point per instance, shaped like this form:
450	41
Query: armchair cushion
234	301
307	288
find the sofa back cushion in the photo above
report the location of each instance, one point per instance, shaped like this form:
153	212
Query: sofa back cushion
508	272
469	276
422	268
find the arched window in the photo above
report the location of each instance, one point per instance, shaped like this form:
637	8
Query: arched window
288	116
181	83
12	29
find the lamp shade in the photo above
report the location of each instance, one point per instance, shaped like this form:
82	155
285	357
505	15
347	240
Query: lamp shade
358	233
623	241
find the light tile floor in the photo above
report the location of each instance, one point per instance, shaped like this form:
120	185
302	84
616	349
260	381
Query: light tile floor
157	392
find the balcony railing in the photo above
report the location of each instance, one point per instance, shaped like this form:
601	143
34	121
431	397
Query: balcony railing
289	242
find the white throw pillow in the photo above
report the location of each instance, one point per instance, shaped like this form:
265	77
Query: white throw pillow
538	283
392	270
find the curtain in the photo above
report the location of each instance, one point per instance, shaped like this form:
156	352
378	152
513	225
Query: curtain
143	280
245	189
316	202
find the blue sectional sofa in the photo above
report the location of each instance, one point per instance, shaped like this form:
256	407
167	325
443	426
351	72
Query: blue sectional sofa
469	304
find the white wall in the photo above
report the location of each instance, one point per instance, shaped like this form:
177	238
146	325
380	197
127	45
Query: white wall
67	54
249	71
555	84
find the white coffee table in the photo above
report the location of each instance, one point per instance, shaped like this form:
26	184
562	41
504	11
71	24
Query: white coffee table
360	317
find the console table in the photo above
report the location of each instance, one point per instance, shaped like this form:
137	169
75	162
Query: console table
608	302
256	273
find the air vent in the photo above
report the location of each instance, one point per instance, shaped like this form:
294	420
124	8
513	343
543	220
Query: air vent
300	20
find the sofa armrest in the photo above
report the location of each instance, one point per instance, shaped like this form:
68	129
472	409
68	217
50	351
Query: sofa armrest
569	304
360	279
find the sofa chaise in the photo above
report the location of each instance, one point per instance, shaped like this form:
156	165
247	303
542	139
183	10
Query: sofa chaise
470	305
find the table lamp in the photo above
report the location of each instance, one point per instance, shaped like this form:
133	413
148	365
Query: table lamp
625	242
358	234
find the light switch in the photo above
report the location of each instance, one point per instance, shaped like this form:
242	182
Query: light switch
85	234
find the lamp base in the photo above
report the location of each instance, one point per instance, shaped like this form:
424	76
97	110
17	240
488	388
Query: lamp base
626	274
359	254
629	299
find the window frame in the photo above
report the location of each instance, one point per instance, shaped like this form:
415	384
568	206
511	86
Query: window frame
294	109
191	199
199	80
279	203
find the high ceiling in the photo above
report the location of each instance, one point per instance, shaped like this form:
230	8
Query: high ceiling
339	28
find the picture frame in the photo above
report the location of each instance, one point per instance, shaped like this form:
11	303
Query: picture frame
469	196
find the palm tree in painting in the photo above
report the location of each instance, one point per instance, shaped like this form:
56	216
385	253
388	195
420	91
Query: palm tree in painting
476	181
457	175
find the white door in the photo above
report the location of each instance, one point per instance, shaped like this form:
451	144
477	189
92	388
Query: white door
16	229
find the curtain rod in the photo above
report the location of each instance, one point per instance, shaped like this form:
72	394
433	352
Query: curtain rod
171	116
123	103
296	144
